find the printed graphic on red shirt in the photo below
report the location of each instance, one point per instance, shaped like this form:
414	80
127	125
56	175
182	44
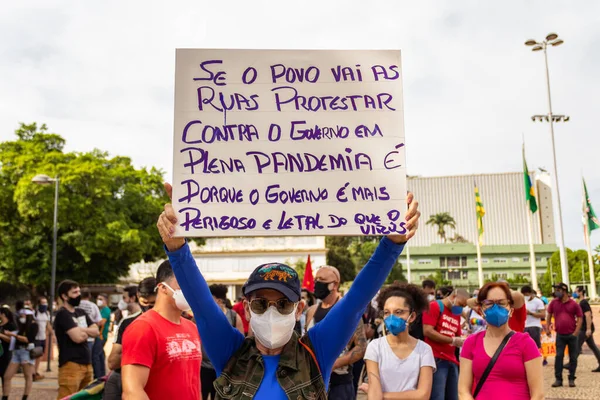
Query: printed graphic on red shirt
171	351
447	324
183	347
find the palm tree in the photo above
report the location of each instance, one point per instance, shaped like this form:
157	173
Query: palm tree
442	220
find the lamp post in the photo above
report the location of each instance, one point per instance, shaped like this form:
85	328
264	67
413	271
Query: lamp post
46	180
553	40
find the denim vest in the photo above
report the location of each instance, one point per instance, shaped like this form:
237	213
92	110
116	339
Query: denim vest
298	372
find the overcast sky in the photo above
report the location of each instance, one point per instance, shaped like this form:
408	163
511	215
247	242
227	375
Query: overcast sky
101	75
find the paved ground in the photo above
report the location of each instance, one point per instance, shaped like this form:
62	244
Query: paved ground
588	383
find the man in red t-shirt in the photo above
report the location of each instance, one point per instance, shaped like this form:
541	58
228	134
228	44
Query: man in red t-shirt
442	332
239	309
161	350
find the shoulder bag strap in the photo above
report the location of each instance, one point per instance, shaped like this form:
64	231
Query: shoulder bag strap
492	363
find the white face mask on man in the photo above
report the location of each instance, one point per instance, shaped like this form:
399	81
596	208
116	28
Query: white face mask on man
122	305
273	329
179	298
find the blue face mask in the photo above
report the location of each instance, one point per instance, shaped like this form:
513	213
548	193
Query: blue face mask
575	296
456	310
496	315
395	325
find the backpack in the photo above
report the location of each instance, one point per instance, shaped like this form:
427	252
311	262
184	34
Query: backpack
416	328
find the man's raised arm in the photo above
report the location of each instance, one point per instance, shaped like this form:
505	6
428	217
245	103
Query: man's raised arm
220	339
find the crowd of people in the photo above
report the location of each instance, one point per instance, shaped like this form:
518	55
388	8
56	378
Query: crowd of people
176	337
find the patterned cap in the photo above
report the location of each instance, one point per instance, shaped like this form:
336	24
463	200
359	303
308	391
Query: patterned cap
274	276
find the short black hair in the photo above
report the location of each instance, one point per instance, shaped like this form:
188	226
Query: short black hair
7	313
413	295
146	287
65	286
19	305
219	291
40	298
446	291
526	289
581	289
164	272
86	294
103	295
428	283
132	292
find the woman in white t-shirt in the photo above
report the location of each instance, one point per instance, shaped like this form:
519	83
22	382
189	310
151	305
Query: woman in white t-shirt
397	362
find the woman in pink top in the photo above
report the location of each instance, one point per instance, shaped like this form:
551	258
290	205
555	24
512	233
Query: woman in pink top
517	371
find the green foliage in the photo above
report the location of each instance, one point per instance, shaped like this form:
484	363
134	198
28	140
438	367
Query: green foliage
514	283
107	211
576	260
338	255
442	220
439	279
350	253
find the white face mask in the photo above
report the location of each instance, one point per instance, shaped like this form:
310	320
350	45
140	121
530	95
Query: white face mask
122	305
430	297
22	320
100	303
179	298
272	329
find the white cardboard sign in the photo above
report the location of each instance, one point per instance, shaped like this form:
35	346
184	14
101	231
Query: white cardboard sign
288	142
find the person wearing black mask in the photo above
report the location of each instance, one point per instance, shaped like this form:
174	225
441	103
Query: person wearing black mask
73	327
24	342
145	297
42	319
327	284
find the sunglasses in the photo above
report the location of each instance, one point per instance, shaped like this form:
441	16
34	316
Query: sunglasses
260	306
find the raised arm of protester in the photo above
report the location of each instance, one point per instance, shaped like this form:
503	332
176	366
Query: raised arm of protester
220	339
330	336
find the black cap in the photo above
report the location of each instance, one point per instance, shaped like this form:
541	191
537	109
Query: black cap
274	276
562	286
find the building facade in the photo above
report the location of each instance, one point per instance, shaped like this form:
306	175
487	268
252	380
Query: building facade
505	250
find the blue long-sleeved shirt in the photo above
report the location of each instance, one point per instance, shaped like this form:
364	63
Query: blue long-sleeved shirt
329	337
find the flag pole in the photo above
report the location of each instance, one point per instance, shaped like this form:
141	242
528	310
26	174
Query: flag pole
477	221
409	279
479	264
534	280
586	234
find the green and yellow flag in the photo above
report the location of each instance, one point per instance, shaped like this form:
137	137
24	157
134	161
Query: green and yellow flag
529	192
588	211
480	213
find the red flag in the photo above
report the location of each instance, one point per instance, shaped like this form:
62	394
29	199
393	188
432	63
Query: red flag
308	282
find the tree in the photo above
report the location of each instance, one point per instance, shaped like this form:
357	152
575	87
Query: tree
576	260
107	212
338	255
442	220
458	239
439	279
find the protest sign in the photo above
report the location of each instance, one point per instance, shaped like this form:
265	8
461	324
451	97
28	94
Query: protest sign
288	142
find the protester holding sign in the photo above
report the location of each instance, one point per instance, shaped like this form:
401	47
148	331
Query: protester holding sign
291	367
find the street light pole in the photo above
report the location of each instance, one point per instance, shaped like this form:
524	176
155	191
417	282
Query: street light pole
44	180
553	40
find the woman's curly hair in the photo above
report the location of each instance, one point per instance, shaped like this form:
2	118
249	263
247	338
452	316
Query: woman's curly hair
413	295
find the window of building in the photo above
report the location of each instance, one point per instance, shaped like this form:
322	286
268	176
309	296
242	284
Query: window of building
516	259
443	262
486	276
422	277
453	275
500	260
453	262
424	261
525	259
463	261
485	260
503	276
465	275
538	259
